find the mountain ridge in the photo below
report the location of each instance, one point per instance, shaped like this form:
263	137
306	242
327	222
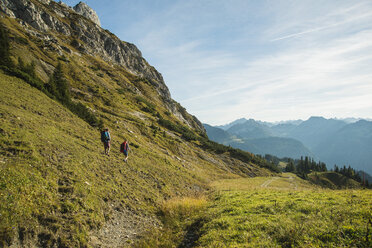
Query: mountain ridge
333	141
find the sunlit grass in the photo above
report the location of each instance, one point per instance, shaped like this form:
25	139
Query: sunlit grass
182	218
246	213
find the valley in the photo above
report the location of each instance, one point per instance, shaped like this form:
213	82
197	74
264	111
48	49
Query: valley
331	141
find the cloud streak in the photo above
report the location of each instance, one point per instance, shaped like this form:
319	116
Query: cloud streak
369	14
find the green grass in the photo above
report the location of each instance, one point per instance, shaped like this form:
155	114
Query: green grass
285	212
332	180
182	217
56	187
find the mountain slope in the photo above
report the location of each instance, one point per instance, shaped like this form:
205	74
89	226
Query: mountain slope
255	138
53	169
250	129
351	145
332	180
56	186
312	131
227	126
277	146
218	135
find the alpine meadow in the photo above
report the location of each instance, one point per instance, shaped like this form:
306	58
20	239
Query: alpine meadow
179	183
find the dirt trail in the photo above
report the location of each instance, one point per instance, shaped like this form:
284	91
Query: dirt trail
123	228
292	184
267	182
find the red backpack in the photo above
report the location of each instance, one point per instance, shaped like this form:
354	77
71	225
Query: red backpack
123	146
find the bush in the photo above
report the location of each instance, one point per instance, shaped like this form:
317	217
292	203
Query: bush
84	113
148	106
34	82
4	48
59	88
185	132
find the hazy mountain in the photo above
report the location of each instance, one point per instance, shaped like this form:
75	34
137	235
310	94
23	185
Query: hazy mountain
294	122
350	145
335	141
365	176
314	130
227	126
277	146
250	129
218	135
353	119
259	143
283	130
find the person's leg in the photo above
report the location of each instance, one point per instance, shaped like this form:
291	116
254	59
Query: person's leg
108	147
126	155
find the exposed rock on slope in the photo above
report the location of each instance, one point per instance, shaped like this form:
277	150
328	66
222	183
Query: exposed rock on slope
88	12
60	24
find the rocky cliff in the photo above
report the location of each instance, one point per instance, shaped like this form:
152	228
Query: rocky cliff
60	24
88	12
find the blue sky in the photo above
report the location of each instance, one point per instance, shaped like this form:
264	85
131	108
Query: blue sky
270	60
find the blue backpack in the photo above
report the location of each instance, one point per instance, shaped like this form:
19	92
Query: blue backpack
105	136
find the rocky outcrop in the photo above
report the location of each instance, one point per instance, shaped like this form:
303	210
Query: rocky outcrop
87	36
84	10
34	14
50	20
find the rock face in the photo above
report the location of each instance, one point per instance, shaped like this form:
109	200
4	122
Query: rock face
88	12
49	20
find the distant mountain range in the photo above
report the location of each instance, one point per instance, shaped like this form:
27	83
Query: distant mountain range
333	141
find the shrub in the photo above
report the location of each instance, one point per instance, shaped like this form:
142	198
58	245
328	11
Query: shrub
186	133
4	48
148	106
59	88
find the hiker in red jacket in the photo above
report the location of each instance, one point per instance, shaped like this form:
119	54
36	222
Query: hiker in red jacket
124	148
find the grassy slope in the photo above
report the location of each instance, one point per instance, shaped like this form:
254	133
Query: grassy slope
52	167
332	180
56	187
285	212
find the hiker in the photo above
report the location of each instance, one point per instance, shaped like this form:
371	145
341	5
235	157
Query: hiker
106	138
124	148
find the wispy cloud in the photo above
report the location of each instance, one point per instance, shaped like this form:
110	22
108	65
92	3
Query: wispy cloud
353	19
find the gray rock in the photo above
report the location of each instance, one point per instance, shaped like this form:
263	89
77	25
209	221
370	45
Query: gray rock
45	1
84	10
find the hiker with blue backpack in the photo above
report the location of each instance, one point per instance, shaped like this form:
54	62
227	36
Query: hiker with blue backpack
124	148
106	138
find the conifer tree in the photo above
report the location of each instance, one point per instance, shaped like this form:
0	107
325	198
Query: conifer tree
290	167
58	85
4	48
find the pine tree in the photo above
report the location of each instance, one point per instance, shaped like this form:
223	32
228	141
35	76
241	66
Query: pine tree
58	85
290	167
4	48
